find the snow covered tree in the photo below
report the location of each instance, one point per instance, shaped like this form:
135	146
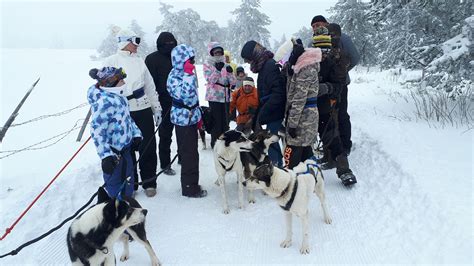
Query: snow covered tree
305	34
109	45
277	44
249	24
143	48
188	27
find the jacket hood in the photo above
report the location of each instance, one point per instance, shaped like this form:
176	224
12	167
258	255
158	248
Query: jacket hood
213	45
227	53
180	54
309	57
165	37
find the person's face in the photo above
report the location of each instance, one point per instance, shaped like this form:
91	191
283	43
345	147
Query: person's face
241	75
132	48
318	24
227	59
248	88
218	53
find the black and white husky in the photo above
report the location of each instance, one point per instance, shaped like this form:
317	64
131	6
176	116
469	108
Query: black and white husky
292	189
227	159
92	235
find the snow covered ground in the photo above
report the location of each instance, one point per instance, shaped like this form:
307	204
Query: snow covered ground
413	202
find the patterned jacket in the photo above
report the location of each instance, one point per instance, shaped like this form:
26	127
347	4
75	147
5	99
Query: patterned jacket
182	88
111	124
301	109
218	83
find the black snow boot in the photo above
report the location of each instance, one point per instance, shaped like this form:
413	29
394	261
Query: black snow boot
343	171
326	162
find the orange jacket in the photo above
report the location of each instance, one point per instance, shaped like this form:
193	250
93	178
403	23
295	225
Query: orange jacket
244	103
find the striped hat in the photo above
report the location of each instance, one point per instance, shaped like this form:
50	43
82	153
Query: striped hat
321	38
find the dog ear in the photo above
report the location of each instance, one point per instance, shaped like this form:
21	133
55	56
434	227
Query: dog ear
102	195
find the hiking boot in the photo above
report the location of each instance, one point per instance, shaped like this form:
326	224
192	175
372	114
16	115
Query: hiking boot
169	171
150	192
201	193
343	171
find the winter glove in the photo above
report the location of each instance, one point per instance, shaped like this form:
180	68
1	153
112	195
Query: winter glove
292	132
325	89
219	66
298	50
109	164
157	116
229	69
136	143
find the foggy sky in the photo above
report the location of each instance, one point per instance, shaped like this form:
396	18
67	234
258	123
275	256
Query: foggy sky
83	24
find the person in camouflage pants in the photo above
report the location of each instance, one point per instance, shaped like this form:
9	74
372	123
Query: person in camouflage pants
301	110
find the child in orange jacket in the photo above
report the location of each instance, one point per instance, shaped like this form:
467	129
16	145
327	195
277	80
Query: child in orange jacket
245	99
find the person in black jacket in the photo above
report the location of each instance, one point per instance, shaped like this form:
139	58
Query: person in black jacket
159	65
332	79
271	92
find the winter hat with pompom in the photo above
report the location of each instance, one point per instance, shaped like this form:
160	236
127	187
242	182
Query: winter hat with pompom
122	37
322	39
107	76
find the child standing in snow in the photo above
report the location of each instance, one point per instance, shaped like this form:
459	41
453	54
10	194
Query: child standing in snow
245	100
112	129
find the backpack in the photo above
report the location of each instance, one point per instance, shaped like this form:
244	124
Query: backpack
207	119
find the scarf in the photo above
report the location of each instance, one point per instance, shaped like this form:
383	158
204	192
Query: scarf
260	56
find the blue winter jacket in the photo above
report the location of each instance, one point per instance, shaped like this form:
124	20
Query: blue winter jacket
182	88
111	124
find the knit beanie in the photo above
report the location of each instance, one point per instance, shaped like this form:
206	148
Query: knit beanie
248	81
318	18
122	37
240	69
247	50
107	76
321	38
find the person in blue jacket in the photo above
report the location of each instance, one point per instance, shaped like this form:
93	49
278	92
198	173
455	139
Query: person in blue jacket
185	114
112	129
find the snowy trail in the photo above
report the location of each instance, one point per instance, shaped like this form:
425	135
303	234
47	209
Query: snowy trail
384	208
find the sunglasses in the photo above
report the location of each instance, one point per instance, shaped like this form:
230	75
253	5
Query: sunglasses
134	40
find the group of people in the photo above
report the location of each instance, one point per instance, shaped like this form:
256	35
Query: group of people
300	91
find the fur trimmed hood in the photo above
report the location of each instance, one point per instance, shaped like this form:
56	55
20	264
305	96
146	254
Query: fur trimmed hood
309	57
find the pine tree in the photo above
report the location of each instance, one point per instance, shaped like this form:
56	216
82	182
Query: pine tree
143	48
277	44
109	45
249	24
305	34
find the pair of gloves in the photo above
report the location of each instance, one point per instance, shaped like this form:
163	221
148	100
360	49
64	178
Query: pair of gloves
109	163
219	66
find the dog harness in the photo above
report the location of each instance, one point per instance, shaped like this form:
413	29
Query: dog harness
292	198
223	166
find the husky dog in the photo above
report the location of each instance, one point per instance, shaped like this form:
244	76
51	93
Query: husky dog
92	235
227	159
292	190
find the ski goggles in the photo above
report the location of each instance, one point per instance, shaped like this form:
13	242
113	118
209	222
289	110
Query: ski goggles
134	40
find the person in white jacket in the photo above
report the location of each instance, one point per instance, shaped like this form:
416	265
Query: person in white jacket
143	102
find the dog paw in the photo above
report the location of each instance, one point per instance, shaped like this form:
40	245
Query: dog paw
252	201
304	250
226	211
124	257
328	220
286	243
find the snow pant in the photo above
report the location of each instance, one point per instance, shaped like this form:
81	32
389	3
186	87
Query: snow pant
165	132
147	150
220	119
328	130
294	155
274	152
344	121
187	140
124	169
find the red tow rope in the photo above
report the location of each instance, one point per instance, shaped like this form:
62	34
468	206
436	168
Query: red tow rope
9	229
